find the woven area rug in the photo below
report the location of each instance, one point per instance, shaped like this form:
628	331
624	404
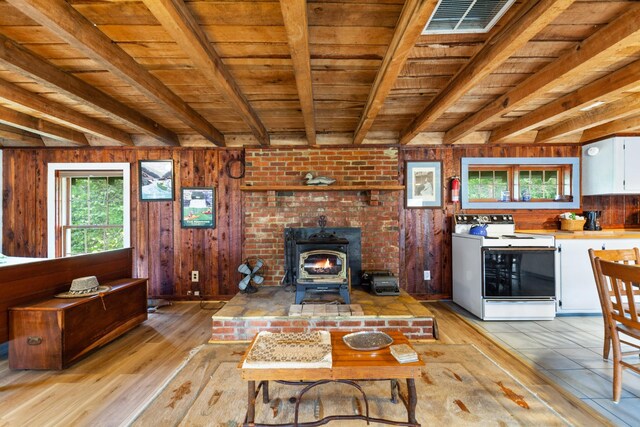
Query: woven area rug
459	386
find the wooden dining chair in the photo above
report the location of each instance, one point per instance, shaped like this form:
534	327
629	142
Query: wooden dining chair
624	256
621	313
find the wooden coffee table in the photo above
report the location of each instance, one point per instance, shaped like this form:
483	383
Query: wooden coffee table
348	367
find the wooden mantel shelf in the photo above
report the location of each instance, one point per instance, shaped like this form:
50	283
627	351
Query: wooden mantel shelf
373	191
321	187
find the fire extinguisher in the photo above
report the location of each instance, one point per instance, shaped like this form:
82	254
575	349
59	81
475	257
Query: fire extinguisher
455	189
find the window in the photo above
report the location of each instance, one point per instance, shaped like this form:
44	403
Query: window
537	184
90	208
91	212
488	183
521	182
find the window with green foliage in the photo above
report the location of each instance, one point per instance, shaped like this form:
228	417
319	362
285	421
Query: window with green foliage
487	184
520	183
92	212
540	184
527	183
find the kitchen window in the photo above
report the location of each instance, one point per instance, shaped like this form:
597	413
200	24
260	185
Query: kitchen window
488	183
517	183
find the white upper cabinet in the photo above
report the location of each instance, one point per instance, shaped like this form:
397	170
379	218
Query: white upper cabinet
632	164
611	166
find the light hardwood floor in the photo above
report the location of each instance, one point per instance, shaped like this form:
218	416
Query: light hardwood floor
111	385
114	384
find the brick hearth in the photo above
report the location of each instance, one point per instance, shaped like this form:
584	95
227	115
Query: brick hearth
246	315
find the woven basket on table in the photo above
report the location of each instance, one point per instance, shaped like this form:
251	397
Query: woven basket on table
572	224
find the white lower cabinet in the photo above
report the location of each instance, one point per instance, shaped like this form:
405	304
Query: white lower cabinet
576	286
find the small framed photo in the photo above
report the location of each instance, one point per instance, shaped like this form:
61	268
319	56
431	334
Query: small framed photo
198	207
156	179
424	184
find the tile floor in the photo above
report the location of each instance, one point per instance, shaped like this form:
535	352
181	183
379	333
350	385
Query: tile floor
568	350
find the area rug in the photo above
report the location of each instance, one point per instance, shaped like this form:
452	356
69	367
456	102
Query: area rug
459	386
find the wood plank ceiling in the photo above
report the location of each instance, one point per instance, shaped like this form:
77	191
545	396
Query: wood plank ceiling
290	72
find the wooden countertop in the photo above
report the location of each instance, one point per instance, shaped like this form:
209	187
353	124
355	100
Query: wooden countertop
584	234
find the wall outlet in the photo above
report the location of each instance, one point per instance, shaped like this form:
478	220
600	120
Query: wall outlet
427	275
195	276
196	293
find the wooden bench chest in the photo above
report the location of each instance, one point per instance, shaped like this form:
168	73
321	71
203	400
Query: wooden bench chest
56	332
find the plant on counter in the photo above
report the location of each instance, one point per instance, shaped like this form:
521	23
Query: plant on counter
571	215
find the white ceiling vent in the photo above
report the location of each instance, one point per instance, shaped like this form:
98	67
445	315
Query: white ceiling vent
466	16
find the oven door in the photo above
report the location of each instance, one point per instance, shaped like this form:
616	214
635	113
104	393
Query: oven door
521	272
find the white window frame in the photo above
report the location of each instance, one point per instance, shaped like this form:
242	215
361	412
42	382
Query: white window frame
52	171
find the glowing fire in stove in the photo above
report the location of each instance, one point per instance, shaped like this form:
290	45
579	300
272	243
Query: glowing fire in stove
325	264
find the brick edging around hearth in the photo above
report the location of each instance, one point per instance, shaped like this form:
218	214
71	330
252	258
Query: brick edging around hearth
244	329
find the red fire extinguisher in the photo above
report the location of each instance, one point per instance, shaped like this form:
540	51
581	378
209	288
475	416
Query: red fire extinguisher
455	189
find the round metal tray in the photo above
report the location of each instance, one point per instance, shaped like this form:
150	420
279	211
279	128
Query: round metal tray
367	340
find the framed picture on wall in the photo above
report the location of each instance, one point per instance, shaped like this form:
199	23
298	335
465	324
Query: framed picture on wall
155	179
424	184
198	207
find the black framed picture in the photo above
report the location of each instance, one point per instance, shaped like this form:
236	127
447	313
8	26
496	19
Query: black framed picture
424	184
155	179
198	207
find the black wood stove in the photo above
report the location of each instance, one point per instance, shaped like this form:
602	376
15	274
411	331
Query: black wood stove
320	261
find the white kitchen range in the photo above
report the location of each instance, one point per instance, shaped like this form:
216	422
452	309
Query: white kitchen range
499	274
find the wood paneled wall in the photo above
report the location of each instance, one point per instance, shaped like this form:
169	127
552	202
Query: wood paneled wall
618	211
425	234
164	252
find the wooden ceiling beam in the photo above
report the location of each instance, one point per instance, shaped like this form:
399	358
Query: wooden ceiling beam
601	45
19	137
608	87
41	127
21	61
621	108
535	15
620	126
71	26
294	13
22	97
178	21
413	18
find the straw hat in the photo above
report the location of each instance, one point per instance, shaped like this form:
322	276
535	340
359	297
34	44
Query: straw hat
83	287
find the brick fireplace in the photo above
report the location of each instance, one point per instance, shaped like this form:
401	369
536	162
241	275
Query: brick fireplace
268	213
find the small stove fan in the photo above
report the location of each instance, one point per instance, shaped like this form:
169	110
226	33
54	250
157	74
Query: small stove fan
250	268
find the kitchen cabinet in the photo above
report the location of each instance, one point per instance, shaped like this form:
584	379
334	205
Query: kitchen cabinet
610	166
576	286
